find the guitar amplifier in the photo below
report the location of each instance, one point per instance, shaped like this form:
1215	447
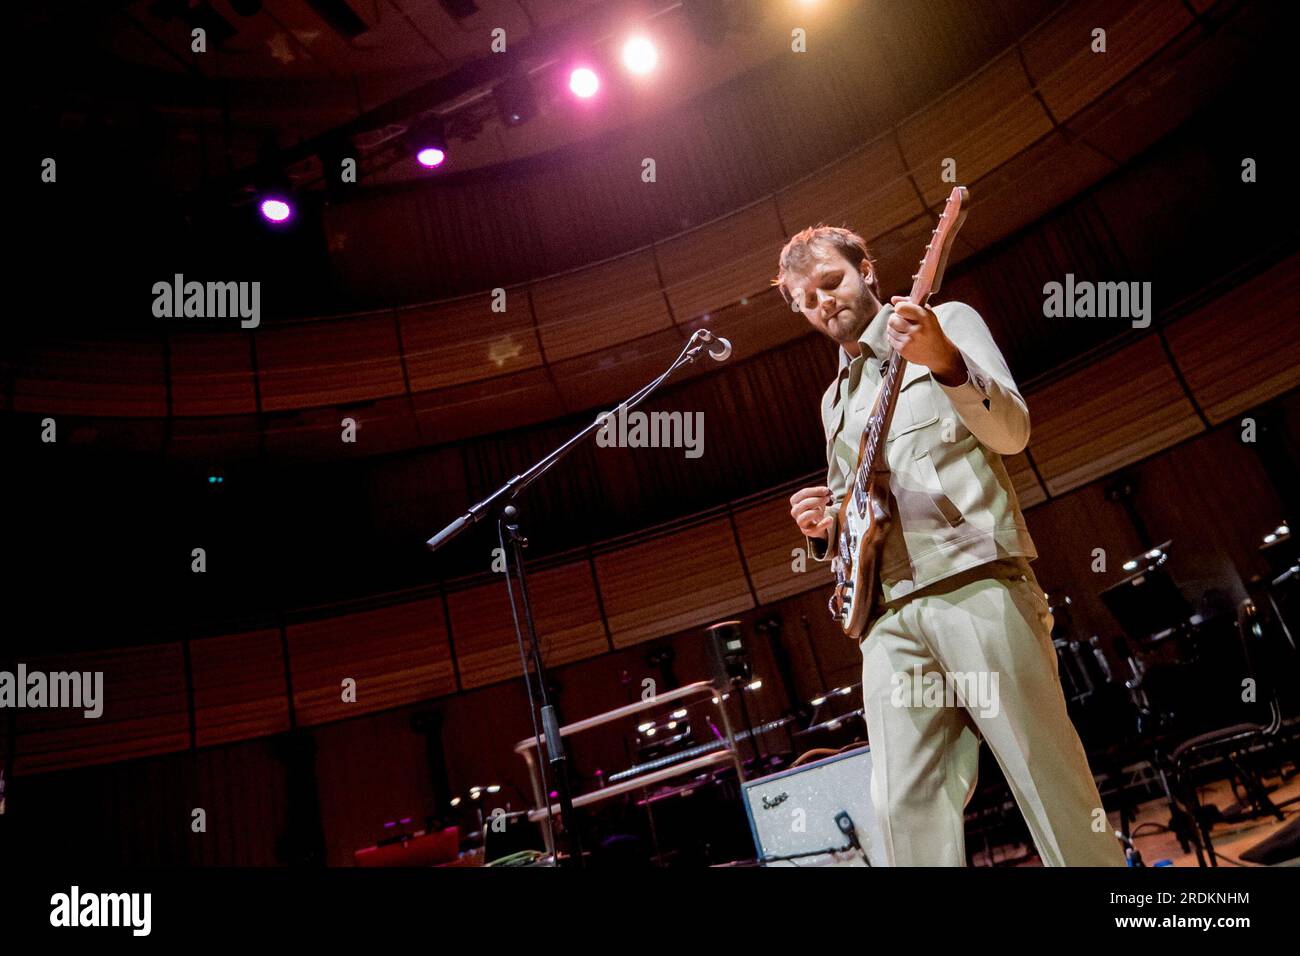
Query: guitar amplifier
818	814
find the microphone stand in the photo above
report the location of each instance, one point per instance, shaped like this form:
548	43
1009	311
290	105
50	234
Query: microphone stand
508	526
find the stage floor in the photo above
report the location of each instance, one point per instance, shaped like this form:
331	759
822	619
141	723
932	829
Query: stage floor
1230	839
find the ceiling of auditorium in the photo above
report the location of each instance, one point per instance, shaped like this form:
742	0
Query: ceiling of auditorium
290	70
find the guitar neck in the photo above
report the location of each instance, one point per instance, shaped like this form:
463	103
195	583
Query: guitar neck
871	453
924	282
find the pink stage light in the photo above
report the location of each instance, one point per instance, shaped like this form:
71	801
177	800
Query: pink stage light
583	82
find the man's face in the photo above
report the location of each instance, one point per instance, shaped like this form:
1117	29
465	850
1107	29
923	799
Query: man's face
834	297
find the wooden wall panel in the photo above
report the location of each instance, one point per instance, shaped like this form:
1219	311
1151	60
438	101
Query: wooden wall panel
477	408
1045	176
1116	411
1029	490
1176	84
754	325
124	379
768	537
870	192
376	769
593	380
616	301
212	374
144	711
397	655
323	363
1059	53
215	439
1240	351
980	125
317	434
685	579
898	253
568	613
483	633
464	341
247	786
718	263
239	687
565	611
134	436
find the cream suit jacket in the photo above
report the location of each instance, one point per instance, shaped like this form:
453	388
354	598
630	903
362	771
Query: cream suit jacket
952	505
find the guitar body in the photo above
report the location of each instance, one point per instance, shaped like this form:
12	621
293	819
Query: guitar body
864	516
859	555
863	524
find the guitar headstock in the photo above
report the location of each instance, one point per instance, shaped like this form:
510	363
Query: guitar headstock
930	274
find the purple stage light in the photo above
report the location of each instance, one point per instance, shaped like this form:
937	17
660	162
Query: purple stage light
276	209
431	156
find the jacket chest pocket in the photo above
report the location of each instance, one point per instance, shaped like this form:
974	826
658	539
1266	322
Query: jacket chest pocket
917	406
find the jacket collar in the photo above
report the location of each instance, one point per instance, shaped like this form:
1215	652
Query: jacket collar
873	338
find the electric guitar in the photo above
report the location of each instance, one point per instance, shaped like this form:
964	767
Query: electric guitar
864	513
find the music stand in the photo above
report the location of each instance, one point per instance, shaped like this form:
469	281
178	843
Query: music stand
1147	604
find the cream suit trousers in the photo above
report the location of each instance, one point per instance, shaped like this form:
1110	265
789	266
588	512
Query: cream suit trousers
989	632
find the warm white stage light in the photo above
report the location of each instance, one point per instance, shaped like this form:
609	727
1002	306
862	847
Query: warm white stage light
640	55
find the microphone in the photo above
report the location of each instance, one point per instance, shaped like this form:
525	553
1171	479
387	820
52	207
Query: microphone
720	356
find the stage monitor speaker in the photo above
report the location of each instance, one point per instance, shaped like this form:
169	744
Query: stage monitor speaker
728	655
819	814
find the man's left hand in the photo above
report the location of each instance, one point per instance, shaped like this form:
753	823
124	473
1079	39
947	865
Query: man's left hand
914	332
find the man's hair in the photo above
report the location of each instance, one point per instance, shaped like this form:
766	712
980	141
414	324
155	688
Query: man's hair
799	255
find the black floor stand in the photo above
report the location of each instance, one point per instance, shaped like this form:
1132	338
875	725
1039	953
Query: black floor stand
530	656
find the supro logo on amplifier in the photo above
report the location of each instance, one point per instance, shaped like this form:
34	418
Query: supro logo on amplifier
776	801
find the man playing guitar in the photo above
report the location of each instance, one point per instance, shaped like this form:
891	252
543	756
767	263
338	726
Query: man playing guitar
954	596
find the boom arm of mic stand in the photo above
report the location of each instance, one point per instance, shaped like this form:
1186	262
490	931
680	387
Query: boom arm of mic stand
519	482
449	532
